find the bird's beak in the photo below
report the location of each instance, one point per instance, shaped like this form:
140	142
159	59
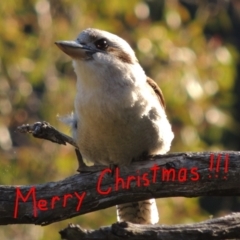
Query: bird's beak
74	49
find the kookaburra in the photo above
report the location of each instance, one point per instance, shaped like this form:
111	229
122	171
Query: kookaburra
119	112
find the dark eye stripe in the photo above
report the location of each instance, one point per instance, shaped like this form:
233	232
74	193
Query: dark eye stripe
121	55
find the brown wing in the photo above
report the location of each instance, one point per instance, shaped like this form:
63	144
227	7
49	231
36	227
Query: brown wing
157	90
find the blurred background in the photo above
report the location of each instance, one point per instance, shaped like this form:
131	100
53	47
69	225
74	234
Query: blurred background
191	48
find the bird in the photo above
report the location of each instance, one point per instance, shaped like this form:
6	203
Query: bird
119	112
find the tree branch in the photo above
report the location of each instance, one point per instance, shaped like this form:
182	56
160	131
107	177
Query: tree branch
227	227
179	174
46	131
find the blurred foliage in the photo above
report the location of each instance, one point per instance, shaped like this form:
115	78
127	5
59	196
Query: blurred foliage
190	50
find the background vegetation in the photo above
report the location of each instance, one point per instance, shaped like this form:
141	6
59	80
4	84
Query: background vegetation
191	49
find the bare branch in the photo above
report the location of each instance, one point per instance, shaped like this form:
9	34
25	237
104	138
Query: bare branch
179	174
46	131
227	227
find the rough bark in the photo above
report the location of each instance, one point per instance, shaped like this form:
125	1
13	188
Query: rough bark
227	227
46	131
179	174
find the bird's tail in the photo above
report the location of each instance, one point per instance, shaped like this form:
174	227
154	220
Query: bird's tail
143	212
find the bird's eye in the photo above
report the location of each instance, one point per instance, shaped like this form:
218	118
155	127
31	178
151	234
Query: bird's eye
101	44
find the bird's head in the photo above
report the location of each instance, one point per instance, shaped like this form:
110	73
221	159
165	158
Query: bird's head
99	46
99	56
